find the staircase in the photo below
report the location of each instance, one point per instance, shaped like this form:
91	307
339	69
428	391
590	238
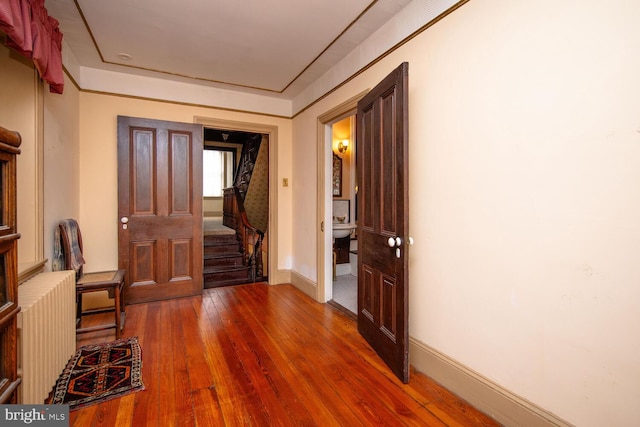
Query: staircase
223	264
237	258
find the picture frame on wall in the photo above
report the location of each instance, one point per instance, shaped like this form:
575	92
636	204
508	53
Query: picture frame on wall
337	176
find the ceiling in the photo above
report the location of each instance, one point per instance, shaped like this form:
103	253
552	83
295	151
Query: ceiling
276	48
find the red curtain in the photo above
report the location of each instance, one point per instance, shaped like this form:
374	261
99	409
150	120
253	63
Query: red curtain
32	32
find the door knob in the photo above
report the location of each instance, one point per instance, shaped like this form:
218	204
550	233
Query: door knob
394	241
124	220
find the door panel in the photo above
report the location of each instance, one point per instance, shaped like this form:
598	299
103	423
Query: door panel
143	270
383	220
180	254
159	192
180	173
143	157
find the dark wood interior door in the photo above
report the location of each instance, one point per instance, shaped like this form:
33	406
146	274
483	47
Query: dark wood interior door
160	208
383	178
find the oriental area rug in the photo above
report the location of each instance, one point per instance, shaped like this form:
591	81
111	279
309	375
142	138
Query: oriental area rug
100	372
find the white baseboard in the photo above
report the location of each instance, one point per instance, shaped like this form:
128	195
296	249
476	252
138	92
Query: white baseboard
482	393
280	277
304	284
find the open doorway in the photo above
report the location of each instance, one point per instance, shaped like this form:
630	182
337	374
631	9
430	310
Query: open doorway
221	154
235	207
271	262
343	214
325	192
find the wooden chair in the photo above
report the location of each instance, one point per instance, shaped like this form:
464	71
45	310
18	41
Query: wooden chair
110	281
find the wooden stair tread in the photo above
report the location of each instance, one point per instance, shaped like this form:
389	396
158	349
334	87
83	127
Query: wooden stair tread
221	283
221	244
222	238
224	268
224	262
223	255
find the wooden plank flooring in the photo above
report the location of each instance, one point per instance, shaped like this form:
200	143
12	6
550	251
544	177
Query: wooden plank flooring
259	355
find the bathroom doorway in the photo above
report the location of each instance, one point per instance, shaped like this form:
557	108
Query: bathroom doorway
327	145
343	215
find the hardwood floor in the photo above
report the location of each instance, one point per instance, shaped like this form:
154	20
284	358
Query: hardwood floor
264	355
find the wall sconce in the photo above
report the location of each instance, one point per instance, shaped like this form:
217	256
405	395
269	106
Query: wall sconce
343	145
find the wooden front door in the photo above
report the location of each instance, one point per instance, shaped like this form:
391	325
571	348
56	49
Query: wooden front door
383	176
160	208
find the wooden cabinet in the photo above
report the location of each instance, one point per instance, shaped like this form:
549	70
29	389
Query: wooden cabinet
9	308
341	248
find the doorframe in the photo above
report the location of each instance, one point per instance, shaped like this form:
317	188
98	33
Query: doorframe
275	276
324	259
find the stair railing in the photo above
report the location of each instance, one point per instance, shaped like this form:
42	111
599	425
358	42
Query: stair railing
235	217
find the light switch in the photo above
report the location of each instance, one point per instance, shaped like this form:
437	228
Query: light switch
285	182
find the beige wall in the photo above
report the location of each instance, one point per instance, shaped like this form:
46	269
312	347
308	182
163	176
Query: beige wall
48	164
61	161
20	106
524	153
98	168
212	205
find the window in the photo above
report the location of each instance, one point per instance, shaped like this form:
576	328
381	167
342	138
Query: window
217	171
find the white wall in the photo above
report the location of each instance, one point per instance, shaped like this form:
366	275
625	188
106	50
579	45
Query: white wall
304	187
524	153
195	94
